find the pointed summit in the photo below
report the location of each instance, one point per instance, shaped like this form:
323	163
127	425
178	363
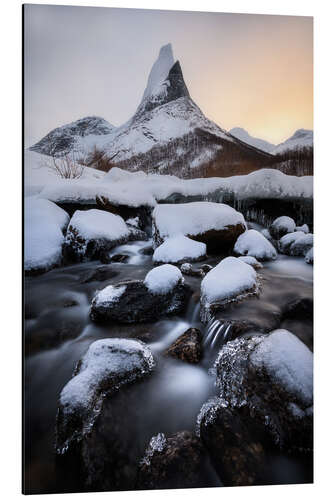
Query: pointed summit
165	82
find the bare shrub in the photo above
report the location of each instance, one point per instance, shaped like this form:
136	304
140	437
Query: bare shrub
100	160
66	167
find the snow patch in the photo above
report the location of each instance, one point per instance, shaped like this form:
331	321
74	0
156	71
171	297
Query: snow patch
163	279
179	248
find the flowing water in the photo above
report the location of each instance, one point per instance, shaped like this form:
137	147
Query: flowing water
58	331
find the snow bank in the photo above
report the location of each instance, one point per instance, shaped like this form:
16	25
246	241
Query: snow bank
286	359
43	224
118	360
163	279
255	244
179	249
194	218
230	279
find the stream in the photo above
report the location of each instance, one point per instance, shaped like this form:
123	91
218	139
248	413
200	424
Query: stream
58	332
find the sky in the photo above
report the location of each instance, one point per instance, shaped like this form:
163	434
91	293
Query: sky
250	71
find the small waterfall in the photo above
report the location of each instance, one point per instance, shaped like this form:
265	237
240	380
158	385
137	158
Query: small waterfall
217	332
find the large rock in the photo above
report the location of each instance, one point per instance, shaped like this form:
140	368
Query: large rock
163	292
187	347
265	386
230	281
179	249
215	224
174	462
285	243
254	244
84	437
281	226
93	232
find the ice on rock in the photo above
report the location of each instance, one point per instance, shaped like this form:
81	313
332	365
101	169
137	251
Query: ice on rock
230	280
119	361
281	226
44	223
156	444
287	360
163	279
255	244
179	249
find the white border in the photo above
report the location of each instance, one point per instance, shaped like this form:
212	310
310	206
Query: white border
11	242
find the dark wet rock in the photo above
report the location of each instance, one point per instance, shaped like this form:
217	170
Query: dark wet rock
91	414
132	302
137	234
281	226
118	257
301	308
101	273
173	462
236	452
48	337
189	270
187	347
205	268
147	251
265	396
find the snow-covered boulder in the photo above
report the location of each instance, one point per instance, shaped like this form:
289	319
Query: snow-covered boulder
287	240
92	232
254	244
265	385
174	462
309	256
163	292
231	280
44	223
304	228
179	249
103	376
281	226
216	224
252	261
302	245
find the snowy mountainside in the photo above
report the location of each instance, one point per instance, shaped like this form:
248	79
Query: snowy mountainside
243	135
167	133
63	140
302	138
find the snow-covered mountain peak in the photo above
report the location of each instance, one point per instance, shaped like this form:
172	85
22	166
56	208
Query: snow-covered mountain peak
244	136
159	72
302	138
